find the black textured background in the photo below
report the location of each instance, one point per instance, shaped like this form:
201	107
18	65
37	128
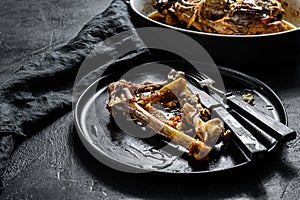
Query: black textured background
53	164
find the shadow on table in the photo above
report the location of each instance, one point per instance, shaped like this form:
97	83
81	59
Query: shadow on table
246	182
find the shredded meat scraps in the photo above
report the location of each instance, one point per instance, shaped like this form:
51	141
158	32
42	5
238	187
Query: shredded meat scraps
231	17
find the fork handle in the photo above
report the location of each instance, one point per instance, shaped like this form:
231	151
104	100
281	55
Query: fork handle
275	128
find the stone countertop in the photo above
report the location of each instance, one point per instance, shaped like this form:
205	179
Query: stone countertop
53	164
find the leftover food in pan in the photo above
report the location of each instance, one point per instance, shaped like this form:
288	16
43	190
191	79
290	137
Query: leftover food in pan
230	17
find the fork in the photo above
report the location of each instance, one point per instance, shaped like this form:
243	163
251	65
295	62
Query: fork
273	127
205	81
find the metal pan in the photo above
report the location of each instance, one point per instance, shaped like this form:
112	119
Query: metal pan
266	50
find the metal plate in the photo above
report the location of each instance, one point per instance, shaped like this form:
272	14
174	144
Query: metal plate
119	150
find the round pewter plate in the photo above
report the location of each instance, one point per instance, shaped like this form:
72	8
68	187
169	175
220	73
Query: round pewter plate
122	151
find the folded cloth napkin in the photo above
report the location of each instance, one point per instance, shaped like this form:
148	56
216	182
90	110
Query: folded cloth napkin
40	91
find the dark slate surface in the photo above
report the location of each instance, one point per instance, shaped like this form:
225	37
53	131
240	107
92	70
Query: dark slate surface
53	164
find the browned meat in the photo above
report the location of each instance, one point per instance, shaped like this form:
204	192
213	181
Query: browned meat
225	16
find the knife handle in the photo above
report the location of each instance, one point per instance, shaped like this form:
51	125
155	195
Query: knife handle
264	138
244	139
272	126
